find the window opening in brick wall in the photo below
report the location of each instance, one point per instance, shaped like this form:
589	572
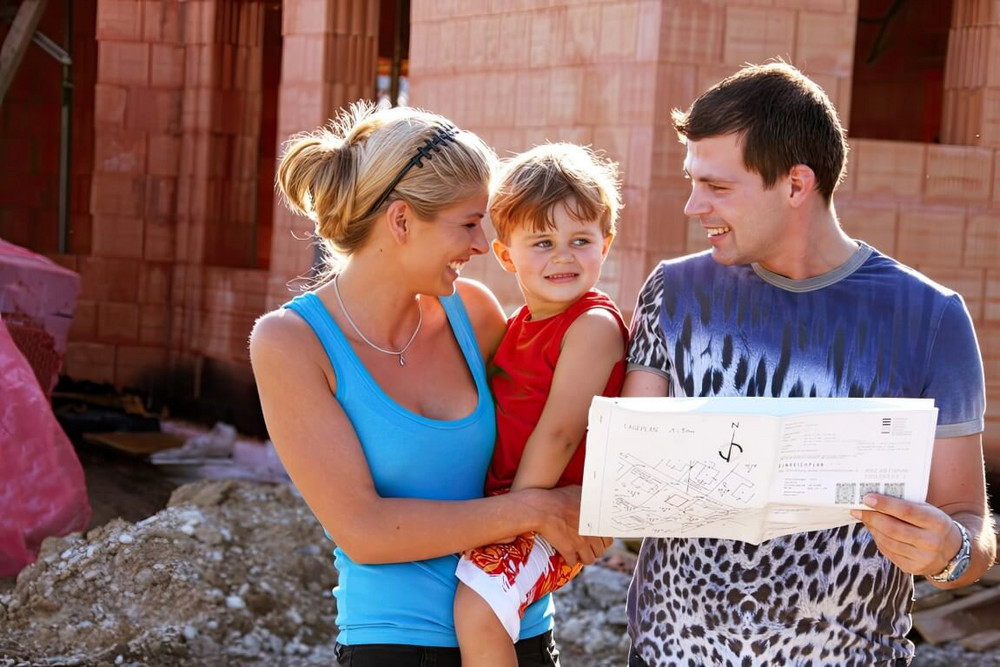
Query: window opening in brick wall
391	79
44	183
268	144
899	62
244	137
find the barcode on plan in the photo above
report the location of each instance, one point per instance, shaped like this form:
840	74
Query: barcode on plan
846	493
868	487
849	492
895	489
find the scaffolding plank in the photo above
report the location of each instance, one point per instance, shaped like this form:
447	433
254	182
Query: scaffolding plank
136	443
15	45
959	618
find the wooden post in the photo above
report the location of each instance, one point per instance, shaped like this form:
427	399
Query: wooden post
17	41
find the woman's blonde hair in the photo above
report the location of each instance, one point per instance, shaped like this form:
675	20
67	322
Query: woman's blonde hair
530	186
343	176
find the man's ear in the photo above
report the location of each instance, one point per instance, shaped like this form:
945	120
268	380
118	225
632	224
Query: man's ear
802	183
398	220
502	253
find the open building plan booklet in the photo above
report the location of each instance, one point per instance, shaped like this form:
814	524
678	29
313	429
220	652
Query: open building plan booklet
748	469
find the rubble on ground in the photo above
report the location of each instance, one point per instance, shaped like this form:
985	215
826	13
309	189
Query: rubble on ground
229	573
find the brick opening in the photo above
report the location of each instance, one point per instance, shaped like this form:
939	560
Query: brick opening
899	64
244	133
30	121
392	76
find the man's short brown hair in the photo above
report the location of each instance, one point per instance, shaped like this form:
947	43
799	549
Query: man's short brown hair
782	119
530	185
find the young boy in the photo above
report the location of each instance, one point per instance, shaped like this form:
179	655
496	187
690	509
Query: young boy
554	209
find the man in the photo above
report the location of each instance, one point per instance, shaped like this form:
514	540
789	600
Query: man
785	304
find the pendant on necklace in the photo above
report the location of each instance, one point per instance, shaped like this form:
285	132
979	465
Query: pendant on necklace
402	362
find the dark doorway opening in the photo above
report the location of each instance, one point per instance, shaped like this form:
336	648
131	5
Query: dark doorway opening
899	63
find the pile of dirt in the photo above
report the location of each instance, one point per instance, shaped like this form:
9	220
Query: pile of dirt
229	573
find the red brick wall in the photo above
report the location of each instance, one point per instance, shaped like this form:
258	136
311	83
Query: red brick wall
121	325
328	61
607	72
170	119
177	130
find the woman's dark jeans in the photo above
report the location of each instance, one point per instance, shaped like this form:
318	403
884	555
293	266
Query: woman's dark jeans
537	651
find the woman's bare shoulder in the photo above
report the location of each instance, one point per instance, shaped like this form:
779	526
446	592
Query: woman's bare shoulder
280	331
485	313
475	290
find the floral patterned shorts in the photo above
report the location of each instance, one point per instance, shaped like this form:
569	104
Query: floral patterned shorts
510	577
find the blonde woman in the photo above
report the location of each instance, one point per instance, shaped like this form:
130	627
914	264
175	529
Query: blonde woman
373	384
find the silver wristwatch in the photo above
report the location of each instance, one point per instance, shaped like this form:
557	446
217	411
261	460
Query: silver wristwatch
957	566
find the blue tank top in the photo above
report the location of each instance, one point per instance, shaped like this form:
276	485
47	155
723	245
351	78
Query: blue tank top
410	456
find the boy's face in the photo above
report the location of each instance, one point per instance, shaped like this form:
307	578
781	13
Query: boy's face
554	267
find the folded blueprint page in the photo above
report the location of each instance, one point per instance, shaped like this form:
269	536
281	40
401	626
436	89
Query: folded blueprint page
748	468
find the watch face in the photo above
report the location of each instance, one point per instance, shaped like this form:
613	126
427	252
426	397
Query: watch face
960	567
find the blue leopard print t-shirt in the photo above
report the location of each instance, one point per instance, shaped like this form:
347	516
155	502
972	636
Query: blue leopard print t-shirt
871	327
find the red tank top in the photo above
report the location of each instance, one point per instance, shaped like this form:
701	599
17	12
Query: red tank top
524	365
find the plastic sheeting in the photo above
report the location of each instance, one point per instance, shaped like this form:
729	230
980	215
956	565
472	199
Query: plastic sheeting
42	487
37	300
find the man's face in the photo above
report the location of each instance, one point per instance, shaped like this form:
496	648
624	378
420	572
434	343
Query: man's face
744	222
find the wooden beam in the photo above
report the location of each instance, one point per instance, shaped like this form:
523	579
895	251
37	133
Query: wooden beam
964	616
15	45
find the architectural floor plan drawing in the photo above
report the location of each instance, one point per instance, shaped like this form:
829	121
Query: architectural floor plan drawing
748	468
688	492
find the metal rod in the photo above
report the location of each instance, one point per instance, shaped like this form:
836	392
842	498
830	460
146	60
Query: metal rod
65	133
51	48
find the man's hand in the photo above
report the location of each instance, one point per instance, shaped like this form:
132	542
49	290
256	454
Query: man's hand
921	538
917	537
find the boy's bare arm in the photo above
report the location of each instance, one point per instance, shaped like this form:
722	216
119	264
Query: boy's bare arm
592	346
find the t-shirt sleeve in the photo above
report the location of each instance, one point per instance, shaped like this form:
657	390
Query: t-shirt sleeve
647	349
955	375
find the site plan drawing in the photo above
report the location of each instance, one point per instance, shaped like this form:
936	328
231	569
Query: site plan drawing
748	468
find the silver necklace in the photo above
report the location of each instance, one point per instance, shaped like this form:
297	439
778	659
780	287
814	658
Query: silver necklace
347	316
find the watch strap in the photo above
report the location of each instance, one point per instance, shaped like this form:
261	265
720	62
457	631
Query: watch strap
956	566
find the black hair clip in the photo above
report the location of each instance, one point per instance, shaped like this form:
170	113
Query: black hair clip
444	133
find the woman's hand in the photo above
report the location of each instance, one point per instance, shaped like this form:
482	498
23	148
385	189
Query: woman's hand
558	515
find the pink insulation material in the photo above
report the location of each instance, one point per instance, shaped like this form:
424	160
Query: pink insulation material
42	488
37	299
